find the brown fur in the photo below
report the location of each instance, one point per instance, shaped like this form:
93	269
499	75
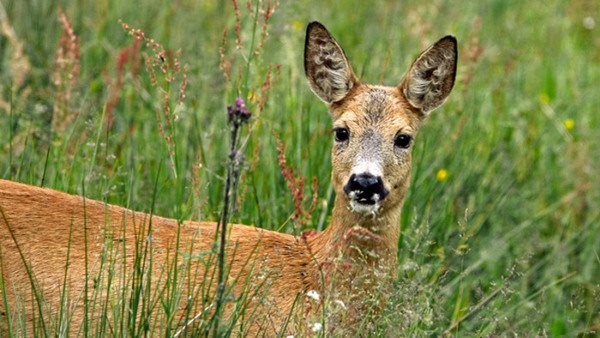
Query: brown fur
350	263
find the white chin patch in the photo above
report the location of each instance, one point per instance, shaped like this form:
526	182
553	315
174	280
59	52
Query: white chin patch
358	206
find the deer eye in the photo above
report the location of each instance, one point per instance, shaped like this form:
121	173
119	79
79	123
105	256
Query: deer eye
341	134
402	141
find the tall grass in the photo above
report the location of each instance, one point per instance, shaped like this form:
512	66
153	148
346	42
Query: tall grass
501	228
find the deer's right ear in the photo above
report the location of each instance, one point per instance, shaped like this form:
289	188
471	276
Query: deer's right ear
431	76
327	69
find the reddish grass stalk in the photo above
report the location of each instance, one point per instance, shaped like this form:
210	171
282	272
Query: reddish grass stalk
259	17
296	185
238	25
66	73
266	14
266	86
225	62
127	55
472	54
164	68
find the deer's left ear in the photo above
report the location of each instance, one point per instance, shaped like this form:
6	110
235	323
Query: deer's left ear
431	76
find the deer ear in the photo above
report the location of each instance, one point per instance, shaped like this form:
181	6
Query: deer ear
431	76
327	69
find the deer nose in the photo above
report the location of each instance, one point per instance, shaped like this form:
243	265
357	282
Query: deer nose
365	188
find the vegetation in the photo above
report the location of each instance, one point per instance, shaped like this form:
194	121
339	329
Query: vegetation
501	228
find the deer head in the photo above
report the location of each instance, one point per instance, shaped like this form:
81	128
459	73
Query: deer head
375	126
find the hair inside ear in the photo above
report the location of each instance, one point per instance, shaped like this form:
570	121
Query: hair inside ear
327	69
431	77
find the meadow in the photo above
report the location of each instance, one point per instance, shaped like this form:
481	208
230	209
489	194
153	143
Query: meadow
501	227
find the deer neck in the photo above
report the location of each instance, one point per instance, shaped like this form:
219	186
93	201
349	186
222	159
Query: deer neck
357	239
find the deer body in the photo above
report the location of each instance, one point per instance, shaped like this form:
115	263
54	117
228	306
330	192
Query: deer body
47	232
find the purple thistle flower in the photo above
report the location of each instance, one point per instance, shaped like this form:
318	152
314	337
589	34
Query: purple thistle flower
238	113
239	102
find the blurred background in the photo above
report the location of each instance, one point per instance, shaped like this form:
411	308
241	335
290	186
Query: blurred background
501	228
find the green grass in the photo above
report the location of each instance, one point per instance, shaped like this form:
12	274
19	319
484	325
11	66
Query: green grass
509	243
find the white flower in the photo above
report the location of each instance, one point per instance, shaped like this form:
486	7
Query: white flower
316	327
314	295
341	304
290	336
589	22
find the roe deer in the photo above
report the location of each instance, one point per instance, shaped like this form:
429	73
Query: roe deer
44	233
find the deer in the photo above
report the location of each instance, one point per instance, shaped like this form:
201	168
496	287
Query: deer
50	240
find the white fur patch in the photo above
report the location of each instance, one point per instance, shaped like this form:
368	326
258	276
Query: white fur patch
366	209
368	167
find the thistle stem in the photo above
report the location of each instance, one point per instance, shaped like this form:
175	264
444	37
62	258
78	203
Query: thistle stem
237	116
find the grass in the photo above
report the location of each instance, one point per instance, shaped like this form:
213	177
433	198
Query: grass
506	242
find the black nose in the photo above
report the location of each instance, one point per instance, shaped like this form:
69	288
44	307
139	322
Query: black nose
364	187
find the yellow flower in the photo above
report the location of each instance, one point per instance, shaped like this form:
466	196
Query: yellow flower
251	97
569	124
544	98
297	25
442	175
